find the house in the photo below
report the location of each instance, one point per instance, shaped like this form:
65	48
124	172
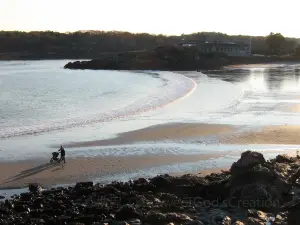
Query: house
229	48
188	44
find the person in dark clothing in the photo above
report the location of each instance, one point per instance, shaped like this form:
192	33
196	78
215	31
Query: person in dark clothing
62	154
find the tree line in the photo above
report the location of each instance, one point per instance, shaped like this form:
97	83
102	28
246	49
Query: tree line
91	44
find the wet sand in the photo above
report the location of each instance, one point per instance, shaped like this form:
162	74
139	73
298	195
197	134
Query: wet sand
19	174
157	133
289	135
295	108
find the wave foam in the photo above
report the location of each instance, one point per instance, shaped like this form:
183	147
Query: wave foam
177	87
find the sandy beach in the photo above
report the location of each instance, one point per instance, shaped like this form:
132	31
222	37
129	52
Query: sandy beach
159	132
19	174
267	135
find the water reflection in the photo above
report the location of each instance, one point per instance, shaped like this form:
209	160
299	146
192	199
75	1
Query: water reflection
277	78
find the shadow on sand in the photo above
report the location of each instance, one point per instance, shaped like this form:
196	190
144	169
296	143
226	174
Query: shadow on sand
33	171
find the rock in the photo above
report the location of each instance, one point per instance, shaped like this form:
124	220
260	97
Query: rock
187	199
154	217
156	201
88	184
177	217
254	221
257	214
161	181
127	212
134	222
285	159
238	223
141	181
226	220
248	160
216	216
34	188
194	222
25	196
85	219
257	195
119	223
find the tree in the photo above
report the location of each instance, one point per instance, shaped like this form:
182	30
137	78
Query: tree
297	52
275	43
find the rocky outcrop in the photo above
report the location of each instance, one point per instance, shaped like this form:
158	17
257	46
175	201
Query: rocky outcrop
255	191
173	58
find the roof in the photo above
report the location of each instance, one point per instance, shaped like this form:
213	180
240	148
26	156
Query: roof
214	43
229	44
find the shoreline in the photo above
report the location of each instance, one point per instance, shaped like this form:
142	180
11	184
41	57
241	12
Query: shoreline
80	168
160	132
225	133
253	191
16	175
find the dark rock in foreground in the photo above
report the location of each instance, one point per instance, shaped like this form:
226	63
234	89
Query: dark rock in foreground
254	191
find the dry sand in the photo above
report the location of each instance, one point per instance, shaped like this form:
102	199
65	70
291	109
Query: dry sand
268	135
159	132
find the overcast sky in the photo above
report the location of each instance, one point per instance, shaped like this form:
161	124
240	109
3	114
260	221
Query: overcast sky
255	17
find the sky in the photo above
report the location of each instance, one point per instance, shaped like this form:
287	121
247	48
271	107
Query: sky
169	17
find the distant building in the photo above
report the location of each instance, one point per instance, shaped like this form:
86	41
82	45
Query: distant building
229	48
189	44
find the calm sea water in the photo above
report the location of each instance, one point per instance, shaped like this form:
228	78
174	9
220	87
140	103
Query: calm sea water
41	97
43	104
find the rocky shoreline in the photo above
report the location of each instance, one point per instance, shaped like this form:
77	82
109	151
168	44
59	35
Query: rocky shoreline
254	191
172	58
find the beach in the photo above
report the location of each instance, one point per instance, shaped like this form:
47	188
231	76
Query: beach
21	173
166	122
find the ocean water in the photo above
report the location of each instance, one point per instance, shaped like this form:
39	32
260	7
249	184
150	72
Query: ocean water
43	104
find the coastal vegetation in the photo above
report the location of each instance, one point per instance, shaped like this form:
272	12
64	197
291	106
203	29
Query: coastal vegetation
93	44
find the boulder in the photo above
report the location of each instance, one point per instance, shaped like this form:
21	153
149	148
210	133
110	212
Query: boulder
285	159
217	216
194	222
127	212
34	188
177	217
254	221
155	218
162	181
134	222
238	222
248	160
88	184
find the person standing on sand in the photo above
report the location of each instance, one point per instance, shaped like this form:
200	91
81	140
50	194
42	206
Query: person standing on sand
62	154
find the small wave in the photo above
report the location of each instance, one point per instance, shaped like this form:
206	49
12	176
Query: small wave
177	87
